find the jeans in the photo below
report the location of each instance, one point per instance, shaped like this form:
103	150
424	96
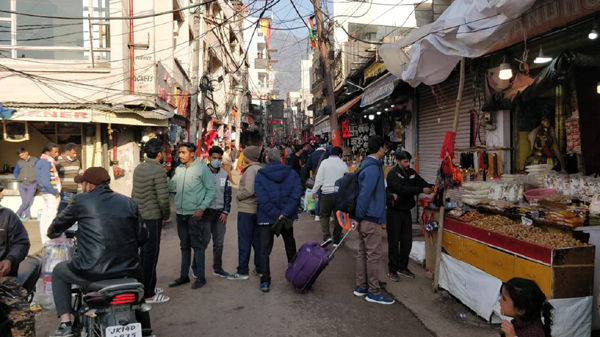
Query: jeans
191	236
210	220
266	247
327	206
318	203
62	279
27	192
369	254
65	199
149	255
248	238
399	230
48	214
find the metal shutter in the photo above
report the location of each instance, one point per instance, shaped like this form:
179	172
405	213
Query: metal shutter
431	132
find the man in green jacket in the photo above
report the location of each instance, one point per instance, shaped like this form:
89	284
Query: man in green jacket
151	192
195	189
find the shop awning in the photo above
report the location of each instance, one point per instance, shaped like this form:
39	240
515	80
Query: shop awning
126	118
379	89
468	28
344	108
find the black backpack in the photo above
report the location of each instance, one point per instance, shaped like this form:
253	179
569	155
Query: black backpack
346	192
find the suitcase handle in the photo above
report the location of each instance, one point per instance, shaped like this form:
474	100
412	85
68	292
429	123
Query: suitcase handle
330	256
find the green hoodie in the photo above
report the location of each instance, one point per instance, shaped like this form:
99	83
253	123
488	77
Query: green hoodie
194	186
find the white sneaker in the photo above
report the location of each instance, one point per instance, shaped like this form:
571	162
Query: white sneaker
317	218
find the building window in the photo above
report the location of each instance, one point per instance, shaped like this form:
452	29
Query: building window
23	36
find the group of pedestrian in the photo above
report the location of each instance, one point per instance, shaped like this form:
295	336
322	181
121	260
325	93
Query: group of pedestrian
53	174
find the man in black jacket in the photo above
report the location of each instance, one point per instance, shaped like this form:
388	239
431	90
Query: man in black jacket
406	183
14	245
110	232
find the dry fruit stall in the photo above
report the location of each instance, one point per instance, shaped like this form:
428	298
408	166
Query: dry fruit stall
482	251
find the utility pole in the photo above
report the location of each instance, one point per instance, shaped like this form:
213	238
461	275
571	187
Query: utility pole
195	68
238	129
327	79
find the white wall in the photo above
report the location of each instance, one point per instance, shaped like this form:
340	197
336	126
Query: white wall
384	12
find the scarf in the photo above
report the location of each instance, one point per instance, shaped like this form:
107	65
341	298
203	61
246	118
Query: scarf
54	178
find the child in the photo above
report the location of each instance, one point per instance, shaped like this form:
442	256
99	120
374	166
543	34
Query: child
524	301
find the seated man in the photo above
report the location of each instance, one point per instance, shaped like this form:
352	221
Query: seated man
110	232
14	245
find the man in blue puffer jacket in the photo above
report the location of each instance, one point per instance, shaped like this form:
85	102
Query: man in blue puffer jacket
370	214
278	189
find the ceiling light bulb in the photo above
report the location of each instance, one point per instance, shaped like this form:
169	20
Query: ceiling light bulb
145	139
542	58
505	71
593	34
364	116
391	106
378	112
598	88
371	117
386	109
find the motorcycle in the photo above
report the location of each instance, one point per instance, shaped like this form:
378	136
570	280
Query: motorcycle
110	308
29	272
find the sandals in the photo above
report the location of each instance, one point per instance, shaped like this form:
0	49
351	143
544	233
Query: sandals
158	298
159	290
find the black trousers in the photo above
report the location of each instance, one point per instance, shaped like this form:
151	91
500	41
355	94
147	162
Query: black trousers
149	255
399	231
266	247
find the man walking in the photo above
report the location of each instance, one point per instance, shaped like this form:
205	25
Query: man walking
215	217
68	167
332	169
46	175
314	162
295	161
151	192
247	226
25	174
278	192
235	153
370	214
195	190
406	183
225	160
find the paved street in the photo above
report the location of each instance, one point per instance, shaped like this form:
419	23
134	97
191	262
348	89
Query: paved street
239	308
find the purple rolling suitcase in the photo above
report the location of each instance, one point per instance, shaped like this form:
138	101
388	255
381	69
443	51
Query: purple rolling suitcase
308	263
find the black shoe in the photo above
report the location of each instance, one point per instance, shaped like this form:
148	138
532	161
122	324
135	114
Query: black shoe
406	273
198	284
179	282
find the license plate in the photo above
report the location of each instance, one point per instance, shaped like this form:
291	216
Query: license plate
129	330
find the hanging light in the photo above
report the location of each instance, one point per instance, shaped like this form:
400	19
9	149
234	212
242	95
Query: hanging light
364	116
598	88
505	70
378	113
541	57
386	109
371	117
593	33
391	106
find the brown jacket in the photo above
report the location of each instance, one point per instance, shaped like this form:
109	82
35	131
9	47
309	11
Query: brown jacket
247	201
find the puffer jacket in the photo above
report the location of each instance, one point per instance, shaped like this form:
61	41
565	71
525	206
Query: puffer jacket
110	232
14	240
372	197
278	191
246	197
151	191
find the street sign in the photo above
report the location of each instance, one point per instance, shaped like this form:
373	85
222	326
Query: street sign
273	61
273	51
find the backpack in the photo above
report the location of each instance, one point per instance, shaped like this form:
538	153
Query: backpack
346	192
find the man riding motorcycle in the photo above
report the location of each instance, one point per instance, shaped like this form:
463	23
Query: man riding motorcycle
110	232
14	245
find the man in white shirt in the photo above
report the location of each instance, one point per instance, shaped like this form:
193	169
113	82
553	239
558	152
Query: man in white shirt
331	169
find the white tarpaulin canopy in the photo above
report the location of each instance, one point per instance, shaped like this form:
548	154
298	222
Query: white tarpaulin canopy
468	28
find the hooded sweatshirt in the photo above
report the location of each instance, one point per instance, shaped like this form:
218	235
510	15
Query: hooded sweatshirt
278	190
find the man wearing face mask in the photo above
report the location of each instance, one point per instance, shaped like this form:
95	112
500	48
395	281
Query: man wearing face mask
406	183
151	192
215	216
68	167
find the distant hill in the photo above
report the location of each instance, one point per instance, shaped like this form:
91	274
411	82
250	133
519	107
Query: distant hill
292	49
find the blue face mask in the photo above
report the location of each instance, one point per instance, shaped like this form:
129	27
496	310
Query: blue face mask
215	163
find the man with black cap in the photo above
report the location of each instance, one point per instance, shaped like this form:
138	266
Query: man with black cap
110	232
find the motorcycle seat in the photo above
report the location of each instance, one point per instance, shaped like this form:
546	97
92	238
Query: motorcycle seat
114	284
29	272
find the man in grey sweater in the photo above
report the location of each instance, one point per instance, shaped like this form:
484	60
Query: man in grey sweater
25	174
151	192
215	216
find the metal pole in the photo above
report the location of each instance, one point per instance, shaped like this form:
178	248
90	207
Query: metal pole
195	74
327	79
440	232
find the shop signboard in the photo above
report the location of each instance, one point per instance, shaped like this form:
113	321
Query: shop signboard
346	129
546	15
144	72
374	70
172	95
53	115
359	136
379	90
